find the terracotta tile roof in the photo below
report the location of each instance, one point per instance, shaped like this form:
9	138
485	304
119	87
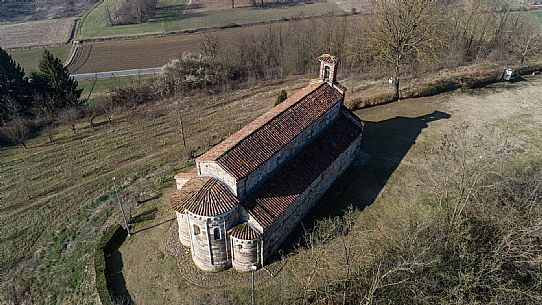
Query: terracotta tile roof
187	175
224	146
330	59
245	232
284	187
176	201
265	136
204	196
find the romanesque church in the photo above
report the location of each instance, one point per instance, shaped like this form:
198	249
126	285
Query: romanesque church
248	193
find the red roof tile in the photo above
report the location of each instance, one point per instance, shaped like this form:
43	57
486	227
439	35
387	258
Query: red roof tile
204	196
285	186
245	232
253	150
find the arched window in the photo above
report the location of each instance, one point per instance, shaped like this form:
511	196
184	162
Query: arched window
326	73
196	230
216	233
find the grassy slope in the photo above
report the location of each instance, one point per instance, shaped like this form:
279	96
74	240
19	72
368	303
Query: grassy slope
55	197
30	58
171	18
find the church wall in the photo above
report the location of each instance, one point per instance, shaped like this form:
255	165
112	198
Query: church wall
275	234
213	169
184	232
292	148
211	252
246	253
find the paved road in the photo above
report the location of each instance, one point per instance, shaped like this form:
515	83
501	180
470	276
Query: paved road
110	74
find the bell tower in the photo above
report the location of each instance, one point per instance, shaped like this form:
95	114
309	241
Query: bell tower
328	68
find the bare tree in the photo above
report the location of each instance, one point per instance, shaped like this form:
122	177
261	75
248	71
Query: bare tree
404	32
16	131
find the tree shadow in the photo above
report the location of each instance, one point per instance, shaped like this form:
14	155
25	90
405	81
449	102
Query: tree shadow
174	13
384	145
116	284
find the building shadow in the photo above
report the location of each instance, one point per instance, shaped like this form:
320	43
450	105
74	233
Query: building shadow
384	145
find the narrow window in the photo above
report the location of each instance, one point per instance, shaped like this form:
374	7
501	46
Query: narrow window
196	230
216	233
326	73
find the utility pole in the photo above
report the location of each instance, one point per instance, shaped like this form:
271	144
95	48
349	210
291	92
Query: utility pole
120	205
253	268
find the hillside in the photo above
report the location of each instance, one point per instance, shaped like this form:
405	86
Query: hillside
57	197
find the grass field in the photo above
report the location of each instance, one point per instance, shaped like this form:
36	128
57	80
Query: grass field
173	18
413	130
538	14
30	58
56	197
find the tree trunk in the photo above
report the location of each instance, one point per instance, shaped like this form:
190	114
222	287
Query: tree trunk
24	145
397	91
232	4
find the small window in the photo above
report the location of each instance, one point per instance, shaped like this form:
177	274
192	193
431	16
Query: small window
216	233
239	246
196	230
326	73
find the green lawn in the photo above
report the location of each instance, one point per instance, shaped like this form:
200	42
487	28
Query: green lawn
170	17
537	14
29	59
103	85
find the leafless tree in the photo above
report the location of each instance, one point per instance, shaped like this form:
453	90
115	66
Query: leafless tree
403	32
16	131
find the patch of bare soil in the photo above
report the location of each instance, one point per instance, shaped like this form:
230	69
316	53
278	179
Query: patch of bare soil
36	33
20	11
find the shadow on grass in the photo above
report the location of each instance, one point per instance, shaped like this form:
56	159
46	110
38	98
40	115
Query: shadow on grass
174	13
384	145
116	284
144	216
153	226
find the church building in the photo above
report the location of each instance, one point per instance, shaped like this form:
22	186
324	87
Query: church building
249	192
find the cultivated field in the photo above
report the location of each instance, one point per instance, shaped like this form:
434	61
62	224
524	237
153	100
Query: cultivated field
37	33
57	197
150	52
29	59
19	11
175	17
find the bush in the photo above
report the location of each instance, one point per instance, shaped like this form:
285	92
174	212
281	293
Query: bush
16	131
281	97
189	72
100	266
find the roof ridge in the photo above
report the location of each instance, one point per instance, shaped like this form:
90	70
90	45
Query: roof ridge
296	98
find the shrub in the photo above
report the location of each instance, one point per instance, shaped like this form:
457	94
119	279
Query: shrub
281	97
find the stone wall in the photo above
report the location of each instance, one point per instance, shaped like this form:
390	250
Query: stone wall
184	232
213	169
210	243
275	234
246	253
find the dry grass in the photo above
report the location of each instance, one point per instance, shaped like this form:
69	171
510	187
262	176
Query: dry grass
56	197
400	139
37	33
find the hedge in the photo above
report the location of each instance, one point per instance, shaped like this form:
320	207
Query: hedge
100	267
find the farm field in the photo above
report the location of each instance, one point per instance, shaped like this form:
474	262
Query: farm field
36	33
20	11
29	59
150	52
173	17
57	197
